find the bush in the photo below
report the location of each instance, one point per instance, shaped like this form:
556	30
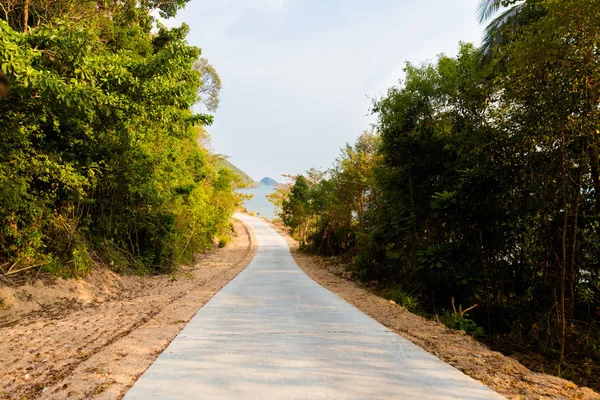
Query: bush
454	321
400	296
224	241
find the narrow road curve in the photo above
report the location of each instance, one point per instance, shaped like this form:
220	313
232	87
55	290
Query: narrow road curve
274	334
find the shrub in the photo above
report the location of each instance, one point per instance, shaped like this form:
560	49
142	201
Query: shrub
454	321
405	299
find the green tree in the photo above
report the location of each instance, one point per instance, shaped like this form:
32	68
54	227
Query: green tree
555	90
481	191
99	154
295	209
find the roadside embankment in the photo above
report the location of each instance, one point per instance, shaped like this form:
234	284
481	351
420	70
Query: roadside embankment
503	374
107	329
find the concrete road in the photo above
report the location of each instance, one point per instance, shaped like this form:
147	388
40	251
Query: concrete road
274	334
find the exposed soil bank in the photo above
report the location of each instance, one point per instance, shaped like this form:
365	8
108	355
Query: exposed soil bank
107	329
499	372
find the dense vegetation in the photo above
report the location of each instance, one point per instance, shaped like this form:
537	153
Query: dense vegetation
99	149
481	188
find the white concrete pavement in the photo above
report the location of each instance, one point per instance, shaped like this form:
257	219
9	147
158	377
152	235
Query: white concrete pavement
274	334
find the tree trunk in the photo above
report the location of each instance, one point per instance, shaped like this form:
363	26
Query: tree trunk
410	187
26	15
571	273
595	168
563	325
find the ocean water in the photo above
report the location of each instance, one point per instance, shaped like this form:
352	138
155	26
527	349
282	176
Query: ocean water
259	203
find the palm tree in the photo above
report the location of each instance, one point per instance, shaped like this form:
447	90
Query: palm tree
498	31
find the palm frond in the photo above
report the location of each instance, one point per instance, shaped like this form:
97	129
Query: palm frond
487	8
498	32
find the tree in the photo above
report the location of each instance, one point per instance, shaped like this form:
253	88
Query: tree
556	89
327	209
503	28
211	84
281	193
295	209
482	188
99	153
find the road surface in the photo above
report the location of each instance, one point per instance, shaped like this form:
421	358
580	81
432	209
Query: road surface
274	334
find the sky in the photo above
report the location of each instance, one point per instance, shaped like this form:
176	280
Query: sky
299	76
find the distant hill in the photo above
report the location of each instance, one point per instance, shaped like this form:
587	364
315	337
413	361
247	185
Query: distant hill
246	180
266	181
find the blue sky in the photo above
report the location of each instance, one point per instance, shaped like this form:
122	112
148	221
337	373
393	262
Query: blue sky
298	75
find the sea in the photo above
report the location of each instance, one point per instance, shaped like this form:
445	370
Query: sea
259	203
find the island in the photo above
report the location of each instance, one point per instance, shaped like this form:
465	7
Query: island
266	181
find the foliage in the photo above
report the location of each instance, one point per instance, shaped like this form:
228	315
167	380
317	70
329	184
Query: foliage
280	195
484	186
400	296
505	27
98	145
328	209
455	321
211	84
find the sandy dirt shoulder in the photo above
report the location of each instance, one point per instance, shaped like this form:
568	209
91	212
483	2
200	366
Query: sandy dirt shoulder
106	330
499	372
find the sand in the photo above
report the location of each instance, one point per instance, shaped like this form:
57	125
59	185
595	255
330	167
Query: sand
92	338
